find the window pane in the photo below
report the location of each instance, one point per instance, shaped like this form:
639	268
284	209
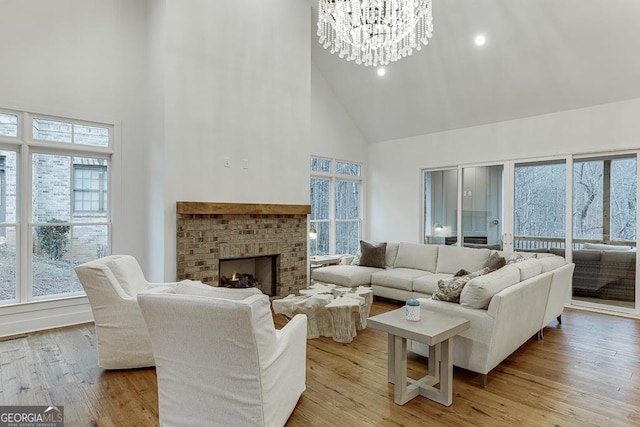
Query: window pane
91	135
587	199
52	267
539	210
320	245
8	125
8	265
320	165
51	188
49	130
8	187
441	205
482	205
348	168
320	198
347	237
90	187
347	200
623	199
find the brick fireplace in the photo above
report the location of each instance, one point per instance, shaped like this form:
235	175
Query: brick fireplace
209	232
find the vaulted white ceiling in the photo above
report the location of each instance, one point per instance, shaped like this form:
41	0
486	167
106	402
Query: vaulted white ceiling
541	56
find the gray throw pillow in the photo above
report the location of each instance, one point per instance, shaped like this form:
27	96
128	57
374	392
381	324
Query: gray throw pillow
495	262
373	254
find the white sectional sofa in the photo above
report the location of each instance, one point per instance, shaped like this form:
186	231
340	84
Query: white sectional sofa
506	307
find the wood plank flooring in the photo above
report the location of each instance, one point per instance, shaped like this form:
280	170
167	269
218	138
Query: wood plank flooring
586	372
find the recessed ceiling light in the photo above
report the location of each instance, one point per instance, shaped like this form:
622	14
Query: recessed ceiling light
381	71
480	40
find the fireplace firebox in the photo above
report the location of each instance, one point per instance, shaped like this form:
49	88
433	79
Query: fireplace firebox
260	272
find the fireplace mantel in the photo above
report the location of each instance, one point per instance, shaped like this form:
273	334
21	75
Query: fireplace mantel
216	208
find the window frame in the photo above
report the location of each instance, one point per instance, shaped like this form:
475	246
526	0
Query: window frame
25	146
333	176
103	183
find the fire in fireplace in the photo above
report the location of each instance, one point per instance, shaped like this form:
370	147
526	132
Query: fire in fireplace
260	272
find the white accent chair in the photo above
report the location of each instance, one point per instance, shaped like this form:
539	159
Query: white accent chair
221	361
112	284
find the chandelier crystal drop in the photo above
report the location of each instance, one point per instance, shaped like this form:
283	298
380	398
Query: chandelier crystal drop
374	32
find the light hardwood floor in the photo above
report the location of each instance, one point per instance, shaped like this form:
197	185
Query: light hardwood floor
586	372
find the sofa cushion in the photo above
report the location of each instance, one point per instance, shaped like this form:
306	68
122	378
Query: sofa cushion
417	256
605	247
478	292
617	267
453	258
428	283
528	268
450	289
344	275
551	263
373	254
399	278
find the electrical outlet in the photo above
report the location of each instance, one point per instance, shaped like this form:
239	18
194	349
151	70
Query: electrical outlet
245	164
227	162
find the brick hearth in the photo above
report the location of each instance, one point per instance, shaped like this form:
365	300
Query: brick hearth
207	232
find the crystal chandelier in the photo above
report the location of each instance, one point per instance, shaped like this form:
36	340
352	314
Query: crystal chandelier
374	32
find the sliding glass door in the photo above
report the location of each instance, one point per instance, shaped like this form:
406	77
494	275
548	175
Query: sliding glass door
604	230
482	206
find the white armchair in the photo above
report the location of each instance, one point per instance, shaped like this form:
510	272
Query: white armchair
112	284
221	361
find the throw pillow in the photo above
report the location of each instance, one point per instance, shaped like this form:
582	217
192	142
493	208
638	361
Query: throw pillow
373	254
495	262
450	289
461	272
515	257
356	258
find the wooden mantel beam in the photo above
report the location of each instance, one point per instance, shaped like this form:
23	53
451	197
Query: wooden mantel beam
216	208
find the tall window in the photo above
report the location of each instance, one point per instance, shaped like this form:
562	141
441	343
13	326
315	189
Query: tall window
66	221
335	206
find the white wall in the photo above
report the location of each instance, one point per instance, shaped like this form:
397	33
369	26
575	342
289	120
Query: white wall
83	59
86	60
236	85
333	132
395	181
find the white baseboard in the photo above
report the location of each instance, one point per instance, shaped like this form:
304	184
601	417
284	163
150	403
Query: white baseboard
38	316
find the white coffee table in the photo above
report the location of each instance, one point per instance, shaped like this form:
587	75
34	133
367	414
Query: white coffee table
434	329
331	311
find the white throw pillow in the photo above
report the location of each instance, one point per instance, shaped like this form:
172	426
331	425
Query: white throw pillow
392	253
127	272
